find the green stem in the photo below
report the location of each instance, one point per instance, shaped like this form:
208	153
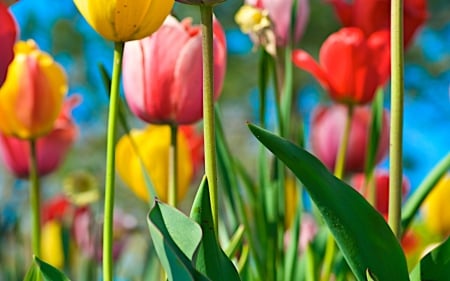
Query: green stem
110	164
339	173
208	108
35	200
173	151
396	133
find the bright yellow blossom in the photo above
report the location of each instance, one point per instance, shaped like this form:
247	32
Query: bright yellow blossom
124	20
52	244
32	95
437	207
153	143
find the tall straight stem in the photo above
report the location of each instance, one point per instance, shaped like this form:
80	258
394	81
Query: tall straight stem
110	165
208	108
339	168
35	200
173	151
396	133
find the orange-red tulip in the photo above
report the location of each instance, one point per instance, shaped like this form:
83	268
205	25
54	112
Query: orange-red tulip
32	94
374	15
162	74
351	67
50	149
8	36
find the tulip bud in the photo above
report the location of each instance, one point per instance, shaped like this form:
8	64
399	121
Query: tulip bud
32	95
121	21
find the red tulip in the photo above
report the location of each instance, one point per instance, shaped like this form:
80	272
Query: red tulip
326	134
382	189
50	149
374	15
8	36
351	66
162	74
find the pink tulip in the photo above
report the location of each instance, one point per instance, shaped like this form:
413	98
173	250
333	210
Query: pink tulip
280	15
8	36
326	134
162	74
51	148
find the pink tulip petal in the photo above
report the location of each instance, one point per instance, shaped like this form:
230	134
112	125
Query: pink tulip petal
8	36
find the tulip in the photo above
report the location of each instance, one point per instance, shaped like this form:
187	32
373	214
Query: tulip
153	144
436	208
351	66
162	74
326	134
8	2
382	188
32	94
8	36
374	15
51	148
280	14
121	21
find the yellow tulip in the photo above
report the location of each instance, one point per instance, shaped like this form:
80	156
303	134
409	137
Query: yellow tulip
32	95
153	143
52	244
437	208
124	20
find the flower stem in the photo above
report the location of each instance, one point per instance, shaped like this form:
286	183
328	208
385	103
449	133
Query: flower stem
173	151
110	164
339	173
396	132
208	108
35	200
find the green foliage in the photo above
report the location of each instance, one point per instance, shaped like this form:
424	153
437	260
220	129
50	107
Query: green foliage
210	259
40	268
363	236
435	265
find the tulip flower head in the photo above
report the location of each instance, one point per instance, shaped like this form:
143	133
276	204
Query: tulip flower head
326	134
351	67
32	94
8	37
374	15
358	181
279	13
436	208
162	74
121	21
51	148
153	144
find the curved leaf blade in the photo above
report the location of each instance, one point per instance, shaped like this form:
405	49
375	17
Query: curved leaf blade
210	259
50	273
363	236
435	265
175	238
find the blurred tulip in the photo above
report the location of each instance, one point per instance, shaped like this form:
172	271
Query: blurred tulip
201	2
326	134
52	244
291	200
382	189
8	36
162	74
351	66
81	188
436	208
308	231
32	94
51	149
153	143
121	21
374	15
280	14
8	3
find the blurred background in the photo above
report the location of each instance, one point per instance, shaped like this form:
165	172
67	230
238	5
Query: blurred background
59	29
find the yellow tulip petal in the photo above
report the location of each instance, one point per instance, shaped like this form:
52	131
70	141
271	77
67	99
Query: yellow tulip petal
52	244
437	207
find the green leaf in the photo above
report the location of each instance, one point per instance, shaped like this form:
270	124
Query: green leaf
415	201
33	274
435	265
175	238
210	259
50	273
361	233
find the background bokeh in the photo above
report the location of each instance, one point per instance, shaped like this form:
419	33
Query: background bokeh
59	29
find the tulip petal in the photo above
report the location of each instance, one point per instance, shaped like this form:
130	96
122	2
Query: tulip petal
304	61
8	36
